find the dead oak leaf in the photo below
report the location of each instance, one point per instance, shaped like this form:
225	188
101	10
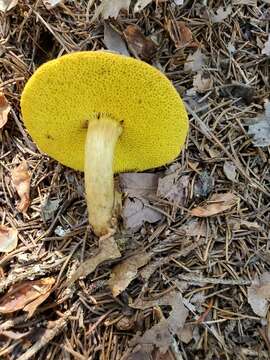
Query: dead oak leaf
8	238
260	131
126	271
4	110
21	181
218	203
259	294
6	5
26	296
138	43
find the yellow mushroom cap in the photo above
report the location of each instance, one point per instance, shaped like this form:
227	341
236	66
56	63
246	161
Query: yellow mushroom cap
59	99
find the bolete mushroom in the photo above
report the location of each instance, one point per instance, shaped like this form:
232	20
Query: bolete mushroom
104	113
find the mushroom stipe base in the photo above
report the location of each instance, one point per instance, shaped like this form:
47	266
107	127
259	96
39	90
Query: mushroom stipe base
102	135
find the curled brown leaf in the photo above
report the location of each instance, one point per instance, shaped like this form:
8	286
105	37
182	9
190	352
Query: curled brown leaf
138	43
180	34
27	296
4	109
215	205
21	180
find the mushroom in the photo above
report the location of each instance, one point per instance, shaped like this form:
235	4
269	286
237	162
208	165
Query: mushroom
104	113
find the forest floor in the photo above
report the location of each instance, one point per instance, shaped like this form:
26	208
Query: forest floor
191	282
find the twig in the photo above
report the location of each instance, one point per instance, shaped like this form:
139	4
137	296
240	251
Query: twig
49	334
193	278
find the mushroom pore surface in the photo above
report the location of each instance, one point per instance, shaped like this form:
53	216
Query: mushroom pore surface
59	99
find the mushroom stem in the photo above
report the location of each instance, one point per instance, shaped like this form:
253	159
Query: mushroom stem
102	136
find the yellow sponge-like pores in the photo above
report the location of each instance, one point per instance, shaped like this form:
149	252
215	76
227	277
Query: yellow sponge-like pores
59	99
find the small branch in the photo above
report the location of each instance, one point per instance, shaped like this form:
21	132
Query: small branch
49	334
208	280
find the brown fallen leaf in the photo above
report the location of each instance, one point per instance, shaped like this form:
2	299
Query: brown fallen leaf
4	110
180	34
162	334
31	307
259	294
139	184
25	296
108	250
138	43
21	180
215	205
6	5
8	238
126	271
187	333
113	41
139	187
202	82
174	188
136	212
